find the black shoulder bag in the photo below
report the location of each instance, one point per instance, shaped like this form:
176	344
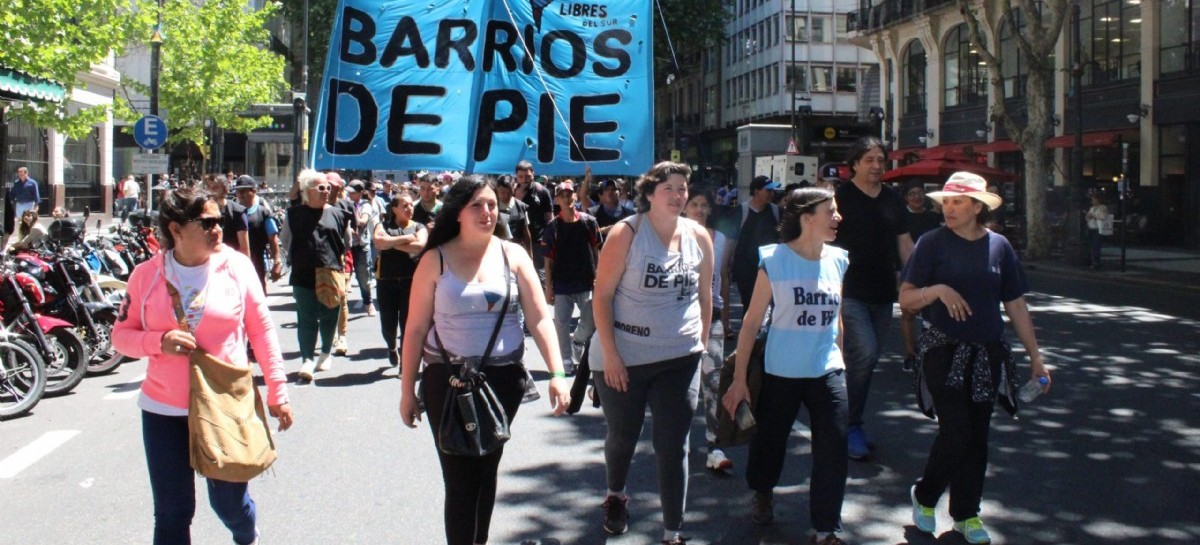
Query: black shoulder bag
474	422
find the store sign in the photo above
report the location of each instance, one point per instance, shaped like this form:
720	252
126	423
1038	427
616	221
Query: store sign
478	86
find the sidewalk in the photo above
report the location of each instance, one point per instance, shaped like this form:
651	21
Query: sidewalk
1174	268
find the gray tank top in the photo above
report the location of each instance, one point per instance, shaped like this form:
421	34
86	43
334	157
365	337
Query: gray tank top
464	314
656	309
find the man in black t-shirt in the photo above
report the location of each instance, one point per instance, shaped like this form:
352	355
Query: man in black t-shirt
569	243
262	231
513	213
921	219
428	206
539	201
874	230
233	215
609	210
759	226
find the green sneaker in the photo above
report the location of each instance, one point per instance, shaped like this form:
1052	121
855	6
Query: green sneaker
923	517
972	531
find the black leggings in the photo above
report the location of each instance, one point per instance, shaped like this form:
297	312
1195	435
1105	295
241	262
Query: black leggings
470	482
392	297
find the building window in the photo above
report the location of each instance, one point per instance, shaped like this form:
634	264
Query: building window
839	22
820	29
847	79
914	78
798	28
1111	34
965	70
1012	71
81	172
797	78
28	147
822	78
1179	45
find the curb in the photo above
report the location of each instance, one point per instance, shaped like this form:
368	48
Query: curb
1188	282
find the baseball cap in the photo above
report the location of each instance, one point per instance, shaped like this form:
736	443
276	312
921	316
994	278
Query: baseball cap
763	182
356	186
830	171
564	186
612	182
246	181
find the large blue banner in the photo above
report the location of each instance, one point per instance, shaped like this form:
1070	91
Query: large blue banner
478	85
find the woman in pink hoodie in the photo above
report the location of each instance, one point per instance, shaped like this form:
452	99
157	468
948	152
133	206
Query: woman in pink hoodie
204	271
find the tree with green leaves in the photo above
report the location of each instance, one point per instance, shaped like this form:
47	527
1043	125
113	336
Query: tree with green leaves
59	39
215	64
1036	26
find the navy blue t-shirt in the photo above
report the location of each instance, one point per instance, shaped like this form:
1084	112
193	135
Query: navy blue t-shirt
986	272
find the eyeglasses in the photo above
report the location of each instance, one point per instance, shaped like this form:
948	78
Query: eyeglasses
207	223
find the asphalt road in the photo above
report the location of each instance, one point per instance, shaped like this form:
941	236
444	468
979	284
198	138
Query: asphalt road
1111	455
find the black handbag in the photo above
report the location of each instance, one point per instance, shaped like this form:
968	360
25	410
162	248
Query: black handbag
474	422
729	432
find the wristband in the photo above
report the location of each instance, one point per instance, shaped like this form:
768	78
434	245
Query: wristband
558	374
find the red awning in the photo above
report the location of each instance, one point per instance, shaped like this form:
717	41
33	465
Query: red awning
999	146
1096	139
900	154
940	169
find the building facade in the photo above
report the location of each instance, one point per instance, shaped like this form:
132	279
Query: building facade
1140	92
72	173
783	60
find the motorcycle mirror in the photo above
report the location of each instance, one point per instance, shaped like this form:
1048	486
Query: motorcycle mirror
87	211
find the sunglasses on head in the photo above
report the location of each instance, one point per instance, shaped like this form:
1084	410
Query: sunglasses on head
207	223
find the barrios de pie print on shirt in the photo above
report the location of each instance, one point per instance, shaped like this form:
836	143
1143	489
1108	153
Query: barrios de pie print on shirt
676	275
816	309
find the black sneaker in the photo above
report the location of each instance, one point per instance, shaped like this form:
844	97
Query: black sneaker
616	515
910	364
394	357
762	511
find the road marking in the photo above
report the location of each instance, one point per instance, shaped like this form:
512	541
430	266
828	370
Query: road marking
31	453
128	390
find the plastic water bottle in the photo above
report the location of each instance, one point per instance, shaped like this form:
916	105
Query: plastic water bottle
1032	389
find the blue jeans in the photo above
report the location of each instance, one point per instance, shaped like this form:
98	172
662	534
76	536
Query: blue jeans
865	327
779	401
173	484
563	306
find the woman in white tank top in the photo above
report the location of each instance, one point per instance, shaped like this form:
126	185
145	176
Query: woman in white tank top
468	267
653	307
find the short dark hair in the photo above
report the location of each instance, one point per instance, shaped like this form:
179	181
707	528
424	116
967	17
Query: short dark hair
180	206
504	180
657	175
798	203
860	148
524	165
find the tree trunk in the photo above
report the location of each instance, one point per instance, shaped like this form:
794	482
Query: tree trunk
1037	130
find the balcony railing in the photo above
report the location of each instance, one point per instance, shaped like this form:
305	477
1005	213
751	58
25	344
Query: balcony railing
869	18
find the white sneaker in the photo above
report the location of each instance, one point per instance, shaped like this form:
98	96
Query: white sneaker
306	369
324	361
717	460
339	345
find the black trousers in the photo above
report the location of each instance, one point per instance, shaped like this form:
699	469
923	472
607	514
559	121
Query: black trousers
958	458
779	402
391	295
470	482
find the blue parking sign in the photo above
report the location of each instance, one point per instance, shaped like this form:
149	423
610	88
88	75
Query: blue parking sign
150	132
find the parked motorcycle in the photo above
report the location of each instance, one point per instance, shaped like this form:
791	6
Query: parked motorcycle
64	356
22	376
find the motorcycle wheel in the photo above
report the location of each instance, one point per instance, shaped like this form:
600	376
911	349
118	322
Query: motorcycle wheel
67	361
22	378
104	358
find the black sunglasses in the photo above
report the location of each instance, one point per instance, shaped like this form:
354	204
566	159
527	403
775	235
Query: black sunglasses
207	223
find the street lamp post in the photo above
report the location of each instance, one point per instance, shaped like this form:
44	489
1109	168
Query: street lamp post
155	51
791	70
299	106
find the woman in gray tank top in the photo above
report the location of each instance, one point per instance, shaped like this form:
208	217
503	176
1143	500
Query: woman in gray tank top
653	307
460	285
